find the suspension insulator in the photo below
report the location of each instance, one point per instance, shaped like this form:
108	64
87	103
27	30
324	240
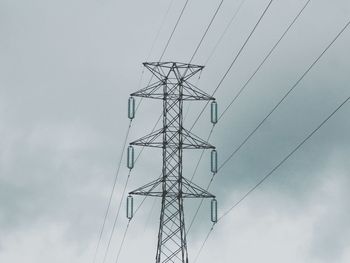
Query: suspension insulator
214	210
214	161
214	112
129	207
131	108
130	157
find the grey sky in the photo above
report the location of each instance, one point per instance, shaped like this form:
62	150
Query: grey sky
66	70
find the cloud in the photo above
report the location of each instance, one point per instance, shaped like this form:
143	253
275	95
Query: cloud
65	74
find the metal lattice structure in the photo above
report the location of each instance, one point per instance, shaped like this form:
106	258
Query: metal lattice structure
173	87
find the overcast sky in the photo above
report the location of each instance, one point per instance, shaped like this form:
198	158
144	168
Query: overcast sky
66	69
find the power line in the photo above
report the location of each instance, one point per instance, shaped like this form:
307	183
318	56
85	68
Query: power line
211	131
160	28
112	192
255	72
265	59
206	30
234	60
258	68
203	244
136	210
116	218
218	42
128	131
279	103
122	243
225	31
285	96
174	29
276	167
283	160
127	227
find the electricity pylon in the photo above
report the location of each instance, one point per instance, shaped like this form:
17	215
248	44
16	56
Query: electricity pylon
172	86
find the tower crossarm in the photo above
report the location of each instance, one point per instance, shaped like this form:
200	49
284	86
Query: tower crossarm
189	190
190	140
173	75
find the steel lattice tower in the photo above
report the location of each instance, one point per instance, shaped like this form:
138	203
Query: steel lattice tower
172	86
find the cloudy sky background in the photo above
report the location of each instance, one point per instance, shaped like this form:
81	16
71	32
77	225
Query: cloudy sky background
66	70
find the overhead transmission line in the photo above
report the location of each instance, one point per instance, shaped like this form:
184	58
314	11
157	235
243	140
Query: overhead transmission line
112	191
274	170
225	31
212	129
236	96
285	96
282	161
120	203
234	61
160	28
174	29
298	146
275	107
129	127
265	59
206	30
116	217
123	241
